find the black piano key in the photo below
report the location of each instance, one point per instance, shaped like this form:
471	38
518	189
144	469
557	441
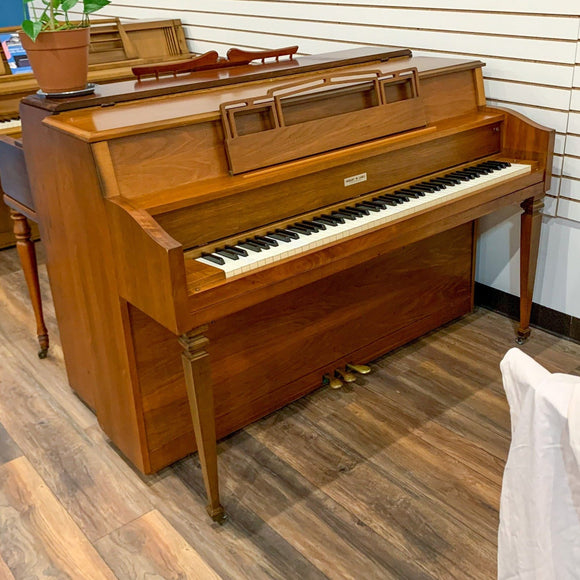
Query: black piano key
213	258
345	214
497	164
407	193
460	176
381	204
227	254
449	180
237	250
314	224
310	227
337	217
353	213
249	245
467	174
279	236
266	240
361	209
483	169
327	221
356	212
422	187
446	182
433	182
290	233
369	205
472	171
258	242
389	200
299	230
390	197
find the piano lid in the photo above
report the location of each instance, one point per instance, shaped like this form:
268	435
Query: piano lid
132	90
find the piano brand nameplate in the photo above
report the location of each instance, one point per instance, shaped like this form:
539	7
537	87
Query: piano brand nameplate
313	116
355	179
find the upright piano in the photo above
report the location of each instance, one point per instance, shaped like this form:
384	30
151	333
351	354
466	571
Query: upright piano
221	243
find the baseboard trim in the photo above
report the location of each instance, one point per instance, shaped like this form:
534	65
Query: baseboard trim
542	317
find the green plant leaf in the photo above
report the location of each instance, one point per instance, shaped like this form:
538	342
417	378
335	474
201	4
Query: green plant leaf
68	4
91	6
32	28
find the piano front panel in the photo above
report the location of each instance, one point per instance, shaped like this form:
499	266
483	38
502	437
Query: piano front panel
196	150
157	161
270	354
228	216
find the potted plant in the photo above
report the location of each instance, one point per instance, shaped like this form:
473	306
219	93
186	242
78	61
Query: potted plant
57	47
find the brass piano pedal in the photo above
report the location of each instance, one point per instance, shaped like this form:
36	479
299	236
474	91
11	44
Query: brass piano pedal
361	369
332	382
345	375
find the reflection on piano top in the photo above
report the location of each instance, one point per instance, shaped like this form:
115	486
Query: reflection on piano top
132	90
179	104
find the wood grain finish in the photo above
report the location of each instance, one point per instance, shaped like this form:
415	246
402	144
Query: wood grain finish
151	547
35	523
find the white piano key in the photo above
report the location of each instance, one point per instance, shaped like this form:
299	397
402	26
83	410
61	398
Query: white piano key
10	124
332	234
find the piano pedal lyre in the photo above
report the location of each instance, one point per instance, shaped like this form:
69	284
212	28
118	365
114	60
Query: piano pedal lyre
345	375
332	382
360	369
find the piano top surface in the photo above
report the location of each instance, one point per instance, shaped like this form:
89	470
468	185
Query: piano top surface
148	88
196	97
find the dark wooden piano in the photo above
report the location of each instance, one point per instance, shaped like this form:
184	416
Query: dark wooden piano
221	243
115	49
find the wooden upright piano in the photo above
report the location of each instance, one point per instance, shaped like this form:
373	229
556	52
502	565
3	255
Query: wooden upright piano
220	242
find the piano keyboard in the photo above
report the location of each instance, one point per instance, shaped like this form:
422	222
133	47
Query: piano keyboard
304	236
9	125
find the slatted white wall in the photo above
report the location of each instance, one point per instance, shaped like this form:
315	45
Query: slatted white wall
531	48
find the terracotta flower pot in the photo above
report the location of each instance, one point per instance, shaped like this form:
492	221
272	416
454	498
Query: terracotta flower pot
59	59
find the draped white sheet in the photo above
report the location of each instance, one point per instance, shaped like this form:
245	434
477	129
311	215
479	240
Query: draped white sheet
539	531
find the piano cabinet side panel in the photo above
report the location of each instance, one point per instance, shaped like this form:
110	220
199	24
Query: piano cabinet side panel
91	317
269	355
522	138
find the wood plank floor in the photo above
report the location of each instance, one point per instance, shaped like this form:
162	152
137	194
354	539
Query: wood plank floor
396	476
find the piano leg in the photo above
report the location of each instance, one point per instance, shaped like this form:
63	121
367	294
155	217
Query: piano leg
529	245
27	255
200	393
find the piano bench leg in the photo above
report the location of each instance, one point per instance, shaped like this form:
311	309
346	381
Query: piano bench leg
197	372
27	255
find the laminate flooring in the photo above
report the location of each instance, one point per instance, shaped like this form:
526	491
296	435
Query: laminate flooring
395	476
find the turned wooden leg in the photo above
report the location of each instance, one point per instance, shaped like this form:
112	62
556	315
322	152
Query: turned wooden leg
529	245
200	393
27	255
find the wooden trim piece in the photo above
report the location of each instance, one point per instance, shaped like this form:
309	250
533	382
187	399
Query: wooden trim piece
105	169
149	264
479	88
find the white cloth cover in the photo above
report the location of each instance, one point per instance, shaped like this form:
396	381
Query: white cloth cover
539	530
